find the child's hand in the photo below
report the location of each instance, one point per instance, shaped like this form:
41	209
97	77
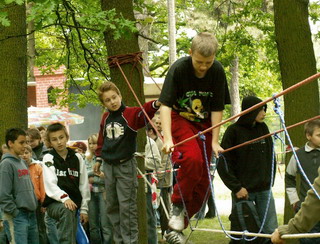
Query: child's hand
158	104
276	238
83	218
69	204
96	168
216	149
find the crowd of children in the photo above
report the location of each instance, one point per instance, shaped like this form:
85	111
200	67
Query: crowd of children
48	187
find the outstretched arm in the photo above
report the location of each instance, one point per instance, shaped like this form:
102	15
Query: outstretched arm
165	116
216	117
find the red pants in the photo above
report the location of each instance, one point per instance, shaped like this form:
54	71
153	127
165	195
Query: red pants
192	178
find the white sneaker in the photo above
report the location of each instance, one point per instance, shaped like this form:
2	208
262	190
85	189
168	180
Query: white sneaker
174	237
176	222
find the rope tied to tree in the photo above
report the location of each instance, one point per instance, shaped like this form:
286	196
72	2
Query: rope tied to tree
129	58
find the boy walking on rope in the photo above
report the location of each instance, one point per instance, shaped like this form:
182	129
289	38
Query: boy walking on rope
309	158
193	97
116	148
247	170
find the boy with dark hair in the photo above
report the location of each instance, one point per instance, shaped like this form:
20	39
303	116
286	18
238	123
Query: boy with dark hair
17	199
116	148
247	171
309	158
66	184
35	142
193	97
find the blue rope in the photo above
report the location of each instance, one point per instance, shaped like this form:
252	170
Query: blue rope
281	116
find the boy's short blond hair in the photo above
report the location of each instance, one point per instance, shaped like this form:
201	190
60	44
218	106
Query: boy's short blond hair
205	44
107	86
28	148
310	126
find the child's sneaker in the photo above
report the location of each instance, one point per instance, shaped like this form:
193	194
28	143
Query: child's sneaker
174	237
176	222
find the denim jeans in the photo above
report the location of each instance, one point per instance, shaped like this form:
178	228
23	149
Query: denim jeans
24	228
5	233
99	223
261	199
51	229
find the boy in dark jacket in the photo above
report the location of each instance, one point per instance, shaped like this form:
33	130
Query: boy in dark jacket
248	170
116	147
66	184
17	199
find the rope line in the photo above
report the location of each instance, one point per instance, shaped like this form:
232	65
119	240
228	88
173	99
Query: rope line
304	82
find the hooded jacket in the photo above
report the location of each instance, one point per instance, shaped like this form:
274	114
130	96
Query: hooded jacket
249	166
16	189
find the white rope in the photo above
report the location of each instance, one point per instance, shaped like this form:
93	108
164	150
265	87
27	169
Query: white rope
244	233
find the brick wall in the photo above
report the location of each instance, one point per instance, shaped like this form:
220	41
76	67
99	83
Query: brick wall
44	82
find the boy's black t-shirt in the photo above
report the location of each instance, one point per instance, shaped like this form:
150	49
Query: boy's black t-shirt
195	98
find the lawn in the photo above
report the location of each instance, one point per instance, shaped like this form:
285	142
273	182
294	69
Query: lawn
222	196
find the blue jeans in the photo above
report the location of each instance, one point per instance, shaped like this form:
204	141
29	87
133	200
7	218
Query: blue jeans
5	233
25	228
100	225
261	200
51	228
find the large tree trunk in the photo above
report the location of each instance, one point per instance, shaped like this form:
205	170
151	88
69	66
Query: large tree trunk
31	45
127	45
297	62
13	70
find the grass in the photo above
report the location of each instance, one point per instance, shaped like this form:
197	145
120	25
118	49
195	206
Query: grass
223	193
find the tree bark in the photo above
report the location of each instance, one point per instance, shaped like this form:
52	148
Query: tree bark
126	45
234	87
297	62
13	70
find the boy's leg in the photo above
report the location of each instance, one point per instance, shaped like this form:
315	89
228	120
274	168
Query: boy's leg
94	219
51	229
189	156
67	222
112	202
43	239
106	226
261	200
33	234
127	185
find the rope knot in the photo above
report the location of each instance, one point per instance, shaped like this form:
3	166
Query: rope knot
201	136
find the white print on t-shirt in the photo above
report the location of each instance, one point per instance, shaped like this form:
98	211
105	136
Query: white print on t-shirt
64	172
114	130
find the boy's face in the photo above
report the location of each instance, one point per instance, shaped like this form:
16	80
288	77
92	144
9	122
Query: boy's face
33	143
58	140
314	139
261	115
201	64
18	146
111	100
26	156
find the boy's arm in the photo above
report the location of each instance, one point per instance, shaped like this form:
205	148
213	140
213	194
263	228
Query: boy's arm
290	182
216	117
50	180
7	203
165	117
83	186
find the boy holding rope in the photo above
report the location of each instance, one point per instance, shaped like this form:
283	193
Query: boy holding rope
193	97
248	170
309	158
116	148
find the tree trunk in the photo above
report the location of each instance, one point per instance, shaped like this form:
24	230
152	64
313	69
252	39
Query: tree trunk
126	45
31	45
297	62
13	70
172	31
234	87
